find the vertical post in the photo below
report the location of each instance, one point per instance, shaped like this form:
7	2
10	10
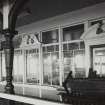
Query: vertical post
10	13
40	70
9	53
60	57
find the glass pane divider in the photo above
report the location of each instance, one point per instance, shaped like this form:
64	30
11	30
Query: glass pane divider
50	44
72	41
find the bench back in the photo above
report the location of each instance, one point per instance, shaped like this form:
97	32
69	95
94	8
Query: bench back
85	86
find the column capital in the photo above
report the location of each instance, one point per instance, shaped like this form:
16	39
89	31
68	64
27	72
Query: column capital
8	31
8	34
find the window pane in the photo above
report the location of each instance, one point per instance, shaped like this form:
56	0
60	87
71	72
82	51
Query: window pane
18	66
51	68
55	68
47	68
50	36
74	61
68	62
82	45
74	58
52	48
73	32
0	66
32	66
70	46
99	61
95	22
79	60
3	67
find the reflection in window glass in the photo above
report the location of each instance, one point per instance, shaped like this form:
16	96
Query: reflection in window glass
79	65
82	45
70	46
0	66
74	61
73	32
55	68
68	62
50	36
99	61
18	66
3	68
51	68
32	66
47	69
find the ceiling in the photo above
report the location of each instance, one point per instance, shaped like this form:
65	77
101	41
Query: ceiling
36	10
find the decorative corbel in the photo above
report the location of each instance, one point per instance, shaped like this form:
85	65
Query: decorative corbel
99	29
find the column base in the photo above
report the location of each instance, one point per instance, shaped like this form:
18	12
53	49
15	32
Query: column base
9	89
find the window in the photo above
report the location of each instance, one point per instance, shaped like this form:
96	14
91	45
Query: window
50	36
0	66
32	63
79	66
73	32
73	51
95	22
99	61
3	67
50	57
18	66
27	66
51	65
74	60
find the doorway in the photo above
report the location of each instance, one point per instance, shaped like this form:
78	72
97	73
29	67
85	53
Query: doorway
99	61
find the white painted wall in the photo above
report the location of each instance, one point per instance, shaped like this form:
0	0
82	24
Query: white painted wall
91	38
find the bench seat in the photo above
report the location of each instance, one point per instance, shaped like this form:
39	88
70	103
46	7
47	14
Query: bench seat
84	91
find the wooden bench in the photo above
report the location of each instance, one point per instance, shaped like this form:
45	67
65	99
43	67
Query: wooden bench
84	91
88	91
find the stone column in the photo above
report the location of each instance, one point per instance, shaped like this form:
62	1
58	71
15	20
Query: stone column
9	54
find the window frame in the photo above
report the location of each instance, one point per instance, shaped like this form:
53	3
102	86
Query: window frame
49	44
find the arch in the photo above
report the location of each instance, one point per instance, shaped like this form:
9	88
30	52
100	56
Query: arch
14	12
